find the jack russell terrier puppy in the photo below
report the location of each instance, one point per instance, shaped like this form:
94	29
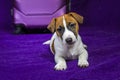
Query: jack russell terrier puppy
66	43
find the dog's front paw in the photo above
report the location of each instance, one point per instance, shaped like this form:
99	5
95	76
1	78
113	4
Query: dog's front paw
60	66
83	63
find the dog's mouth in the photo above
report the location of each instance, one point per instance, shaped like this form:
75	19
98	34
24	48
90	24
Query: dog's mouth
71	43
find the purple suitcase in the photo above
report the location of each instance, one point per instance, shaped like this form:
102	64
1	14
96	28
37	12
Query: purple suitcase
37	13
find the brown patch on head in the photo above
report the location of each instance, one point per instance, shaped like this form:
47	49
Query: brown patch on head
60	27
71	19
56	25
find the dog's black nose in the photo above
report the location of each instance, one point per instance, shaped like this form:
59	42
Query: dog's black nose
69	40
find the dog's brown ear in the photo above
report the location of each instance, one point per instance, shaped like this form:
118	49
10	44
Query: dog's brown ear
52	25
77	17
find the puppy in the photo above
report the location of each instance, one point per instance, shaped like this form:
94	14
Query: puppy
66	43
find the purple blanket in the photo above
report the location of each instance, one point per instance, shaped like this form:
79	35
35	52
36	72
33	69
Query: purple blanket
23	57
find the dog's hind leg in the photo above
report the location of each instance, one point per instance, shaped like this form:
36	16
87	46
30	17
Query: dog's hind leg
85	46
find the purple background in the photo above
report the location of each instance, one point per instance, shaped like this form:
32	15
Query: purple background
23	57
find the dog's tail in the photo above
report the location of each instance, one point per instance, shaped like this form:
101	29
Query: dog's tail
47	42
51	40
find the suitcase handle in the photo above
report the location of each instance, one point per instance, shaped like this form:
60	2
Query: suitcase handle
68	3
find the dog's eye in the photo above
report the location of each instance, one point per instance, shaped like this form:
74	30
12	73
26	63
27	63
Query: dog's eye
60	29
72	25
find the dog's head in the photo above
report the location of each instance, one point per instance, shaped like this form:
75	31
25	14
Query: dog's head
66	27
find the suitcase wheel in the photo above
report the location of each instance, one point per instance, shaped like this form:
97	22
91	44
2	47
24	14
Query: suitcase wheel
19	29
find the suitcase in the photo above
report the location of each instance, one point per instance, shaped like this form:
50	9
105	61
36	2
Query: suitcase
37	13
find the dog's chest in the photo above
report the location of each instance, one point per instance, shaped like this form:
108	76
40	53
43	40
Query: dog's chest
71	54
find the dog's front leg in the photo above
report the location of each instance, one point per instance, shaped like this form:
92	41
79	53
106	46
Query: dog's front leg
60	63
82	58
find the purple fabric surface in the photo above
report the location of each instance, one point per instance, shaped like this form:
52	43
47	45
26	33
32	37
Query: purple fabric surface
23	57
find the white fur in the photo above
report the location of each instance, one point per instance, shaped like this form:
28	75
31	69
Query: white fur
64	51
67	33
